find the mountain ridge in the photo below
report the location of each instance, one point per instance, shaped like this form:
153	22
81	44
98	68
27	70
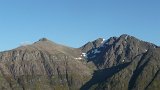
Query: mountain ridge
125	61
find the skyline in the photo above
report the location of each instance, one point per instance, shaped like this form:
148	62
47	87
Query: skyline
74	23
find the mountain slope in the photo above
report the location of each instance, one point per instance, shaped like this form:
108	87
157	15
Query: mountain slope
42	65
123	63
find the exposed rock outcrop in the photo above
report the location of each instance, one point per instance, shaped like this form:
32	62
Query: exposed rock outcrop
119	63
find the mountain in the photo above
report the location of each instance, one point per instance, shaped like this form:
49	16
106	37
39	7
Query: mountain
42	65
119	63
124	63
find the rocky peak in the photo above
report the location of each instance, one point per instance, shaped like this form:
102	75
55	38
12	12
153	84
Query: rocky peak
43	39
91	45
125	36
123	63
116	49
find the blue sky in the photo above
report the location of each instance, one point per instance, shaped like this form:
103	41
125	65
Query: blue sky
75	22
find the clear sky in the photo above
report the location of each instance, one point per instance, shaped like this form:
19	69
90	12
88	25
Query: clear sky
75	22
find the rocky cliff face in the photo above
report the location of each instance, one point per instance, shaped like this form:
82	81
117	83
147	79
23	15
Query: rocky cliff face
122	63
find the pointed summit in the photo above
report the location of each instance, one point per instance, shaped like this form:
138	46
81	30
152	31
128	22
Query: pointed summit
43	39
124	35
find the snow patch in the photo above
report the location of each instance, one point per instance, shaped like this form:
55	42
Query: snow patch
103	40
146	50
84	55
96	51
79	58
126	37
